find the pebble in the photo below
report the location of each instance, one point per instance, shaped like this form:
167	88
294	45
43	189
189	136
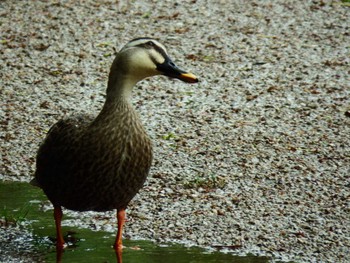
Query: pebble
260	153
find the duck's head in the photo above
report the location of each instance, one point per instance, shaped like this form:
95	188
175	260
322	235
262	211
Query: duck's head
146	57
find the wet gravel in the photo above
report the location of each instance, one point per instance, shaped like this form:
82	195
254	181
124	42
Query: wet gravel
17	245
256	156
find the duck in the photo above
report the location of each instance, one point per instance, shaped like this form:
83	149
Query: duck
99	163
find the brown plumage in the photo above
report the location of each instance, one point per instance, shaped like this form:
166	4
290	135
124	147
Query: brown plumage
100	163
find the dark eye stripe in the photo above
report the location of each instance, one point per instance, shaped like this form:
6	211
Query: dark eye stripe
149	43
152	45
140	38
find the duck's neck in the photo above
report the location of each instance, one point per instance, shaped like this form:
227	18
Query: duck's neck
119	88
118	102
118	99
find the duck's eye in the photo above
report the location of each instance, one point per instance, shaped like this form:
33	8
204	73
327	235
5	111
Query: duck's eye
150	43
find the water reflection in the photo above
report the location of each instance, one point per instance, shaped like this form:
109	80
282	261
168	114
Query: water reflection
71	243
118	253
85	245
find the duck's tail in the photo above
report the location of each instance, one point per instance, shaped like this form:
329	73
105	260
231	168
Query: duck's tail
34	182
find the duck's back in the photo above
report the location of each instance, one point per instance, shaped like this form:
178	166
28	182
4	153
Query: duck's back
85	164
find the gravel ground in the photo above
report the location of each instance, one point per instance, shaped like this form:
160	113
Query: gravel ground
17	246
257	155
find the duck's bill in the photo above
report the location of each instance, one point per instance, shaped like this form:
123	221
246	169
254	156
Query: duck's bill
168	68
188	77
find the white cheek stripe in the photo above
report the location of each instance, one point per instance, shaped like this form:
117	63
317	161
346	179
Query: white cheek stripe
157	56
160	46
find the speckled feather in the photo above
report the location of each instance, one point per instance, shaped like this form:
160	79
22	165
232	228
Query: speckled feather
86	164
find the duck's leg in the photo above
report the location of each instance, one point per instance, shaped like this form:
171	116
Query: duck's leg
58	218
121	219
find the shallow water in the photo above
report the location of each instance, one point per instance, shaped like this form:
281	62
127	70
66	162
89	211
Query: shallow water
22	202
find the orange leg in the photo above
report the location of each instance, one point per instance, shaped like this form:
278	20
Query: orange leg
58	218
121	219
119	256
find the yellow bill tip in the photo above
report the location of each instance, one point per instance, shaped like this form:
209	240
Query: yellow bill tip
188	77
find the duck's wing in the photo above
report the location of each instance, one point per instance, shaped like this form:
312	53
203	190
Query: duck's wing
60	143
